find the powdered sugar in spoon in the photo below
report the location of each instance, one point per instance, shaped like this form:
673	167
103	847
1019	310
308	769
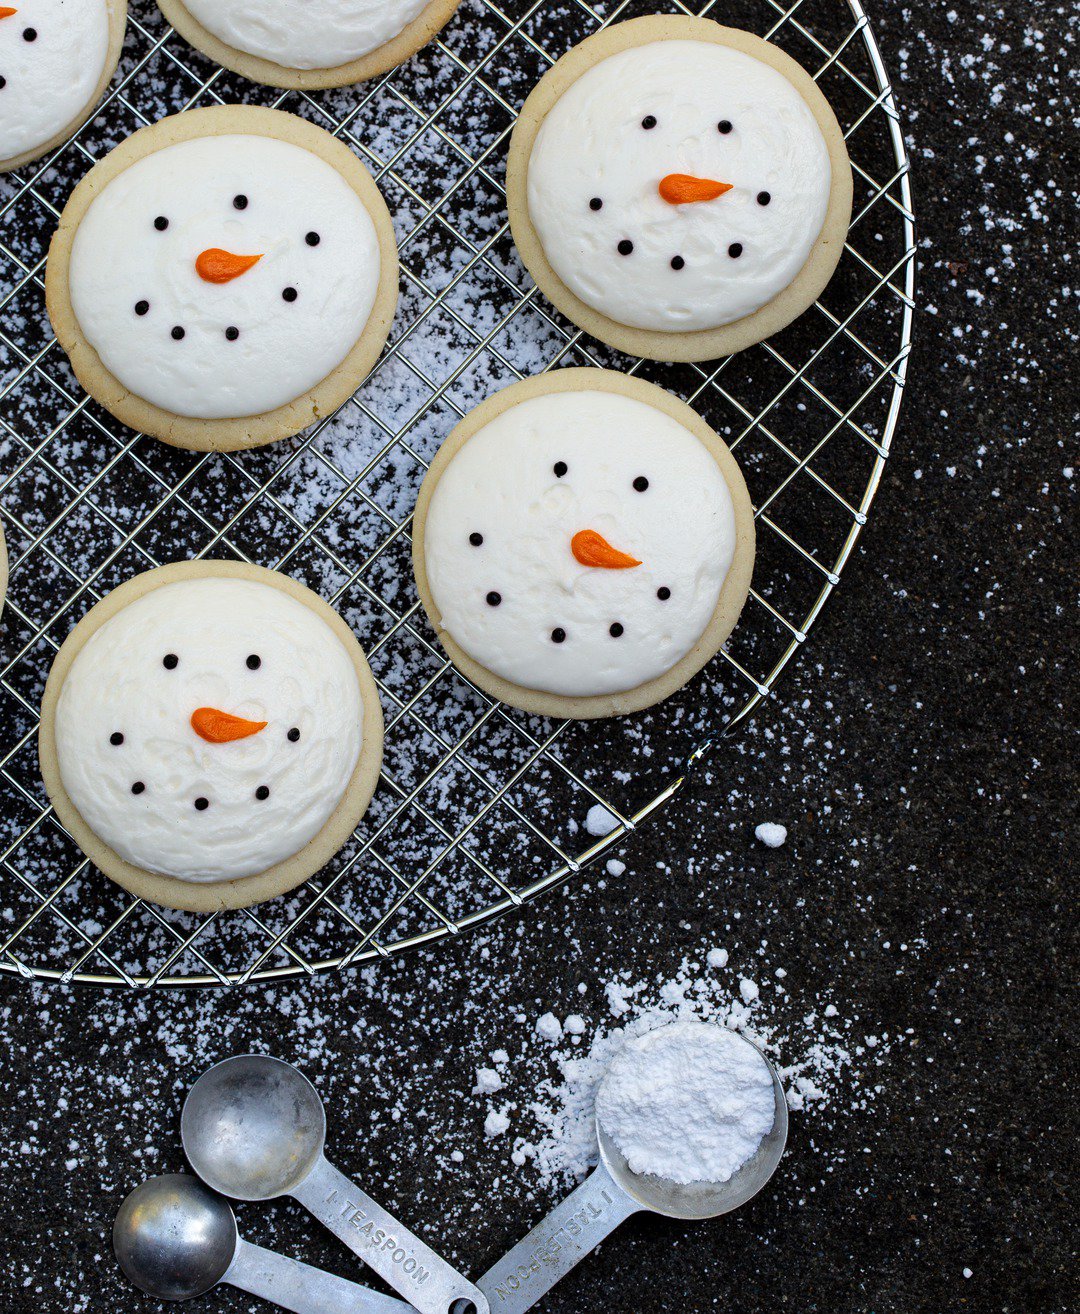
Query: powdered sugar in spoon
612	1193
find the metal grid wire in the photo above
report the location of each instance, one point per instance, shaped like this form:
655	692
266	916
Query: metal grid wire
478	807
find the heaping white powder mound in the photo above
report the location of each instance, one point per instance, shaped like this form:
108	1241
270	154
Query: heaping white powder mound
689	1102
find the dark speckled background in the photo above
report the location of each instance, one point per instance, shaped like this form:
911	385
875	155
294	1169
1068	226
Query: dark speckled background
921	754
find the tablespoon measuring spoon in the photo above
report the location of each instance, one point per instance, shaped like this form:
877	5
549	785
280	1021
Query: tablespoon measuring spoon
175	1239
609	1196
254	1128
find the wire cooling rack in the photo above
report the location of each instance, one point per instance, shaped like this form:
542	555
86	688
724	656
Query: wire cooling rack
480	807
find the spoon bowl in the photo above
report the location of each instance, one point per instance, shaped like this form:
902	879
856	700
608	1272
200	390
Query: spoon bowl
173	1238
253	1127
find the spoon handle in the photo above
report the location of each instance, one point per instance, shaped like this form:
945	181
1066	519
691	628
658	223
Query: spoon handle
554	1246
301	1288
401	1259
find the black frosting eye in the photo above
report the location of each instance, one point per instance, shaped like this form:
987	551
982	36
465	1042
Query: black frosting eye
494	599
178	333
240	202
663	593
596	203
161	223
293	736
290	294
560	468
232	334
616	631
313	239
254	662
477	540
640	484
138	787
262	793
677	262
3	83
170	661
626	247
763	198
142	307
29	34
558	636
725	126
648	122
201	804
735	250
116	740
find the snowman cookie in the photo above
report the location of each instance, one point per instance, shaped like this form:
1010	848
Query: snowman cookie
321	43
679	189
56	59
224	278
583	544
210	735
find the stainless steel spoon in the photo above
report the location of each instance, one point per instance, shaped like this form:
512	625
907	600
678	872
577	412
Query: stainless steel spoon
254	1128
611	1194
176	1239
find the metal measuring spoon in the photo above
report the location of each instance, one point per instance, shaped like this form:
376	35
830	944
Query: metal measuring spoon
254	1128
609	1196
176	1239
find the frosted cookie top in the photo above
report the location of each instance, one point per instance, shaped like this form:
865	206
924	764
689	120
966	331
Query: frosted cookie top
52	56
577	543
209	729
312	34
225	276
679	185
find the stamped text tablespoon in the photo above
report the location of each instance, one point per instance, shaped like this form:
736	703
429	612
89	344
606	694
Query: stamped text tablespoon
254	1129
176	1239
611	1194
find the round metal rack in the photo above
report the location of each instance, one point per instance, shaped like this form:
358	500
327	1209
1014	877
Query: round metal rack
480	808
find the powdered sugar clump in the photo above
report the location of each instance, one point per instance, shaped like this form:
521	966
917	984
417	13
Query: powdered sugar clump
771	834
600	821
689	1102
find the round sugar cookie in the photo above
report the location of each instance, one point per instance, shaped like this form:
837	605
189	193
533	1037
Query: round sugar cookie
56	59
583	544
224	278
211	735
323	43
678	189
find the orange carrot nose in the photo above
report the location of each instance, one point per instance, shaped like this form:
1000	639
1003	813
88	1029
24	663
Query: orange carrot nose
218	266
221	728
682	188
592	549
6	11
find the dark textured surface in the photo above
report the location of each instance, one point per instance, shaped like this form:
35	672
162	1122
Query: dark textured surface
927	788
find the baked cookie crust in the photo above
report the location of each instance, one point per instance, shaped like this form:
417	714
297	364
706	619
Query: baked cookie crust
736	585
698	344
169	891
424	28
117	28
228	435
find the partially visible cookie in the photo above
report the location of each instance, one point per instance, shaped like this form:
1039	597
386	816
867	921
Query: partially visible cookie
56	59
211	735
224	278
679	189
323	43
583	544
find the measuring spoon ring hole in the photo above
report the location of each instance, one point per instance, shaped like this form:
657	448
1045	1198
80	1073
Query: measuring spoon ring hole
462	1306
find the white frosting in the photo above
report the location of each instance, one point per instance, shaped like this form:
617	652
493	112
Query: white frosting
49	80
306	33
592	145
284	348
118	684
502	484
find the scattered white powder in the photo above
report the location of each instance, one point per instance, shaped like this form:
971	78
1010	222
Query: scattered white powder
717	958
771	834
600	821
689	1102
549	1027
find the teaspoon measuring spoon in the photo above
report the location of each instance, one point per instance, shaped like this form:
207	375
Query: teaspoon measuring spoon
176	1239
609	1196
254	1128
